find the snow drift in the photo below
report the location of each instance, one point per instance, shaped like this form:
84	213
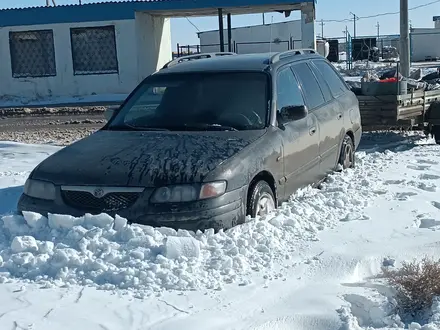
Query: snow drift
110	254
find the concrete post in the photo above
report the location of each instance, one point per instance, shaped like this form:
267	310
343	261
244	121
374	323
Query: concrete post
308	35
404	39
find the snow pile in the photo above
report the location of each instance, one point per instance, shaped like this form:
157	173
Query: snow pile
360	67
378	312
110	254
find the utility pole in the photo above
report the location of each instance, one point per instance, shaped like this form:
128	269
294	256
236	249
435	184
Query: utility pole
322	28
354	24
263	19
378	30
404	39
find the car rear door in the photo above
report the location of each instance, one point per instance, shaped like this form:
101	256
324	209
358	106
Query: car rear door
327	111
300	137
342	101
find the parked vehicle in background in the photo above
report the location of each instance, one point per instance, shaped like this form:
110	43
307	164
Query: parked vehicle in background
203	143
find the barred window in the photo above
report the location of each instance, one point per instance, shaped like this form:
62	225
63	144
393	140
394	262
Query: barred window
32	54
94	50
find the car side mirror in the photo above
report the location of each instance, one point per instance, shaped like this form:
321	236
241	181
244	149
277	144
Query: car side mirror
293	112
108	113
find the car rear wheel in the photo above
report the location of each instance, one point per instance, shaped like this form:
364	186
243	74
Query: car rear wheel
261	199
347	159
436	134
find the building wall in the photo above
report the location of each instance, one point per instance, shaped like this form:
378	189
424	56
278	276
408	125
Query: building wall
65	84
424	42
255	39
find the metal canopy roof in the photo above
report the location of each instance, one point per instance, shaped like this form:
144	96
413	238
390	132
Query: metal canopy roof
111	11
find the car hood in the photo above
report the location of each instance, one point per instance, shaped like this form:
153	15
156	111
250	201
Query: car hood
147	159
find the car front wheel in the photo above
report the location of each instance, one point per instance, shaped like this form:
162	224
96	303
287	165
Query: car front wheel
261	200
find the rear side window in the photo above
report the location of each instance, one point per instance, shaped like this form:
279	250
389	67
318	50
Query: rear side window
335	82
288	92
310	86
322	83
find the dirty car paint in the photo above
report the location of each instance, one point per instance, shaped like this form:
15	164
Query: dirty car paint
147	159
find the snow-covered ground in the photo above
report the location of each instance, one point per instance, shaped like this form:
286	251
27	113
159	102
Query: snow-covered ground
310	265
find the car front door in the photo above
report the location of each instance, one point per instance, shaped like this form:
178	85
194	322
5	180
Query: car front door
300	137
326	109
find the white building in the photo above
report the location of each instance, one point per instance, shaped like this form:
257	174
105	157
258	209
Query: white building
107	57
256	39
425	42
99	52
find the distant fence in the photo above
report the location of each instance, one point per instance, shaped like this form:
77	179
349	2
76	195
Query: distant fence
424	45
242	47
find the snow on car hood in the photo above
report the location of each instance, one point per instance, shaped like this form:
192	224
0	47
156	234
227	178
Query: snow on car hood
116	158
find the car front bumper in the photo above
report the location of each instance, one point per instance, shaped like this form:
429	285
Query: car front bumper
221	212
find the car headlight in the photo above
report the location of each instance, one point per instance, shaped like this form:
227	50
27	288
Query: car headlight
39	189
188	193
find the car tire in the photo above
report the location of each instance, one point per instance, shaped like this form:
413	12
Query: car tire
347	157
261	199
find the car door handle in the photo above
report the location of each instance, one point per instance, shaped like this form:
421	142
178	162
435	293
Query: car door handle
312	130
339	116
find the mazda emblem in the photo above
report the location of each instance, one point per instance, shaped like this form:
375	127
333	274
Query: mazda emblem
98	192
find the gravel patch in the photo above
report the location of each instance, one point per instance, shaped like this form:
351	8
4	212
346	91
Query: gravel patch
53	129
26	112
56	136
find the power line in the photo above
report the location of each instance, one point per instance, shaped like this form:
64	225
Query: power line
378	15
196	25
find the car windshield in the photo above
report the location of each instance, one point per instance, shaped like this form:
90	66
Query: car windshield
197	101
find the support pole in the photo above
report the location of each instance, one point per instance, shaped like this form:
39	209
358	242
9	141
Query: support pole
404	39
354	24
220	30
229	33
322	29
308	35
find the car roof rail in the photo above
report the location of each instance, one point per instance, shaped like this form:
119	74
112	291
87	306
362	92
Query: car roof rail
292	52
196	57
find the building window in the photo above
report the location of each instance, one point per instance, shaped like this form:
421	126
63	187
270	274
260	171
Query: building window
32	54
94	50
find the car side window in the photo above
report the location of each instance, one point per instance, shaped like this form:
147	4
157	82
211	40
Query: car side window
310	86
335	82
325	89
288	91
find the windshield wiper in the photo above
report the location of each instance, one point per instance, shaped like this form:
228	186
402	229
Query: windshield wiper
127	127
208	127
183	127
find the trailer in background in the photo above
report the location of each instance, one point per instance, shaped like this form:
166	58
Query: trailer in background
390	105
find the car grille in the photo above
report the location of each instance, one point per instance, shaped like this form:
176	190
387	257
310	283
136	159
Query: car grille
110	202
